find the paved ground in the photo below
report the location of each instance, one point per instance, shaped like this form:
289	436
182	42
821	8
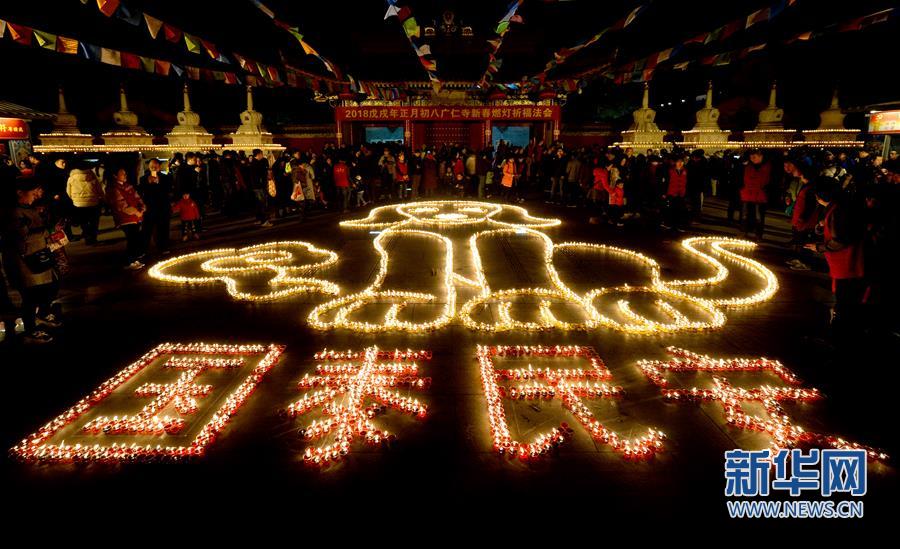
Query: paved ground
443	463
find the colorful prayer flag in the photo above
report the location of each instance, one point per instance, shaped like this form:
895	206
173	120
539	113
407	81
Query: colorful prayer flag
107	7
153	25
111	56
45	40
192	43
66	45
20	33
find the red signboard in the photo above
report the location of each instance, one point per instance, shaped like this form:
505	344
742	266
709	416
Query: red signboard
884	122
526	113
13	128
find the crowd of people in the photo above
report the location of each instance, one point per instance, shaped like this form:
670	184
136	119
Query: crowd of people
839	205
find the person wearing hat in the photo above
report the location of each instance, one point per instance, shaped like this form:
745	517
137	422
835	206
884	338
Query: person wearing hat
30	264
842	245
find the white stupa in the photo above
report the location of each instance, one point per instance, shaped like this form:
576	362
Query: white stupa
831	130
189	133
643	133
706	133
769	130
128	132
251	134
65	131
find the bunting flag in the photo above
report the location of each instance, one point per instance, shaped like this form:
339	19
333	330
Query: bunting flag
20	33
758	17
629	70
413	32
706	38
108	56
89	51
45	40
295	32
210	49
107	7
126	14
198	45
111	57
65	45
153	25
561	56
192	43
131	61
510	16
172	34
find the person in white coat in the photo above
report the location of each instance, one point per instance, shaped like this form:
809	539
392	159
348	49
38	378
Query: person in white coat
86	192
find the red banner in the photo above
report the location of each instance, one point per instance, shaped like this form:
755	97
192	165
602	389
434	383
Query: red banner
13	128
447	113
882	122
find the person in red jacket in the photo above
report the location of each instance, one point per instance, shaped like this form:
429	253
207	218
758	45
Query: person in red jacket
616	202
342	183
128	213
756	177
676	188
402	179
598	193
842	245
189	213
804	218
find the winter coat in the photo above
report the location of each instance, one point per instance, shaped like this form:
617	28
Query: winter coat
509	173
677	182
187	210
341	175
84	188
429	173
573	170
842	250
756	179
29	235
804	217
127	207
157	196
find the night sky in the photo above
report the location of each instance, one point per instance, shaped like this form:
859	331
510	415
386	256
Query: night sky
359	41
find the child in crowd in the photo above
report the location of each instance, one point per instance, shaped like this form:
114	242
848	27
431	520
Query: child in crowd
189	213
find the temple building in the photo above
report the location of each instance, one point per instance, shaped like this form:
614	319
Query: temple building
451	115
